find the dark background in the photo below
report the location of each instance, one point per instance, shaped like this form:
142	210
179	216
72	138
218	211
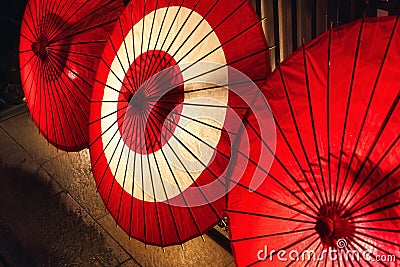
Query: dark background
11	93
10	17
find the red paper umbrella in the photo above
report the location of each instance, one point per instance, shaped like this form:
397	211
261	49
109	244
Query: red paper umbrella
60	46
333	191
158	132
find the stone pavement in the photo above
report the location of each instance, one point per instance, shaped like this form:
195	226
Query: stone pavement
51	215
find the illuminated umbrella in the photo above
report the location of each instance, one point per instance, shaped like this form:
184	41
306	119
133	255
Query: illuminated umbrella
60	46
334	186
158	125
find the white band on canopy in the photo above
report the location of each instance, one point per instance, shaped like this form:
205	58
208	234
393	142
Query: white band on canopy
213	116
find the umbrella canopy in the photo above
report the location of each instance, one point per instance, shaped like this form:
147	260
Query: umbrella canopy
158	113
334	185
60	46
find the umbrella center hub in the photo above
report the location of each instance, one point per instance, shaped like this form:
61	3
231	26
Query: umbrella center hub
332	225
153	112
40	47
139	101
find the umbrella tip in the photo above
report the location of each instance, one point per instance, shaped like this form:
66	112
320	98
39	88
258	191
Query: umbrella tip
202	237
163	249
183	248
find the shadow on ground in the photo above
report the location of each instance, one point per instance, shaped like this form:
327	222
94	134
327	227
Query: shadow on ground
44	226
